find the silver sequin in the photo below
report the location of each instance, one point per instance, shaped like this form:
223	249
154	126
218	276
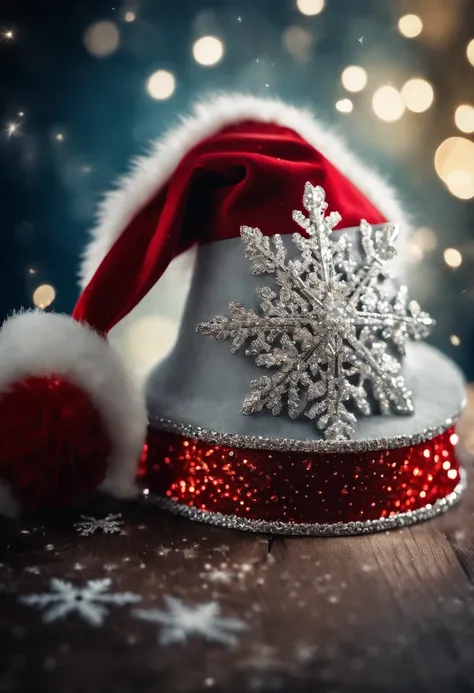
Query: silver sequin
398	520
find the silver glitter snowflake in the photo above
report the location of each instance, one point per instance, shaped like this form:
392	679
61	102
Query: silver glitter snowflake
90	525
89	602
332	332
181	620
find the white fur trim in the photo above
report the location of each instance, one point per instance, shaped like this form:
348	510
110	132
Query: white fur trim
41	344
150	173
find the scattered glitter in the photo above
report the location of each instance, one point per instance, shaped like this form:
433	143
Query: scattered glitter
217	575
33	569
304	652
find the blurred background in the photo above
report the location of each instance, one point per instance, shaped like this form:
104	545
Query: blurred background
86	85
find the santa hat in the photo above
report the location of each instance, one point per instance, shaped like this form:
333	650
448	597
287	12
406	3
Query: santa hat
71	418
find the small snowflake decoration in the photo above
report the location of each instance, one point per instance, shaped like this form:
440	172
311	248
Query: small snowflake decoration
90	525
180	621
331	332
90	602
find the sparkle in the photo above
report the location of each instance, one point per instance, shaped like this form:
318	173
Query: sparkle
8	35
13	129
91	603
180	621
90	525
330	329
218	575
189	553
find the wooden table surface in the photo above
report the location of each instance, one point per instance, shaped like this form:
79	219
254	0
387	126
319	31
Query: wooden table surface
386	612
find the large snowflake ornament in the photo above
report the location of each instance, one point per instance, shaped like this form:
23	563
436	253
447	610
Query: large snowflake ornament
331	332
91	602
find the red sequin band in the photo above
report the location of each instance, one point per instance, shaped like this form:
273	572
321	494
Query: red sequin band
263	489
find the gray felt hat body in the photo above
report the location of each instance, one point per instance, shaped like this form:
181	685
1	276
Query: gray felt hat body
202	385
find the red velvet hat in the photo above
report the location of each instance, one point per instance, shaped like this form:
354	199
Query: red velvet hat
327	415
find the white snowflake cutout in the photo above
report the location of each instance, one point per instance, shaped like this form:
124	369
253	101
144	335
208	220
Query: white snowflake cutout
90	603
181	620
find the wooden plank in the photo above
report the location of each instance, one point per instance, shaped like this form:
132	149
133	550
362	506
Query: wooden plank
386	612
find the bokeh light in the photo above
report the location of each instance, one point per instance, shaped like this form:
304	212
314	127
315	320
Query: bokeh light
102	39
161	85
464	117
425	238
345	106
410	25
130	16
310	7
452	257
43	296
387	104
455	341
298	42
148	340
354	78
208	50
454	164
470	51
417	94
414	253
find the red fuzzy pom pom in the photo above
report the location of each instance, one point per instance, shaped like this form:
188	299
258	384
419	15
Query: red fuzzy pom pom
53	446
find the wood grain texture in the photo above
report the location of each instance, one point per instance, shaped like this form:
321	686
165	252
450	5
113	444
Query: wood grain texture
386	612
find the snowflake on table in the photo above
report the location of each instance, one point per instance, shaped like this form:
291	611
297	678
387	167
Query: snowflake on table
90	602
90	525
331	329
180	620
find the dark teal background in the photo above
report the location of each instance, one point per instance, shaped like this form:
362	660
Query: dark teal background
49	190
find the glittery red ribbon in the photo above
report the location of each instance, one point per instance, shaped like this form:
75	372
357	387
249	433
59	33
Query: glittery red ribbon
295	487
